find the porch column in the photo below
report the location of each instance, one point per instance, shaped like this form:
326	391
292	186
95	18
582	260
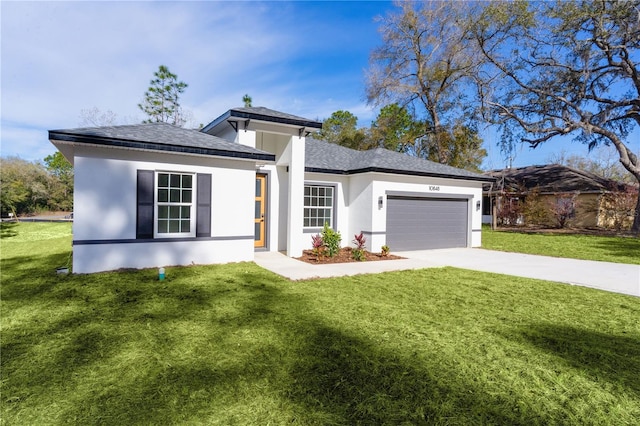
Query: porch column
295	236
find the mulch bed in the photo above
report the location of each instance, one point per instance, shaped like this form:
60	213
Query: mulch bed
343	256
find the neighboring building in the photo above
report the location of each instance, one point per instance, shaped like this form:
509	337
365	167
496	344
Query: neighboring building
154	195
549	183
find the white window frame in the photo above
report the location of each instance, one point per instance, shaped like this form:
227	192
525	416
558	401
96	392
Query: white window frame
318	199
157	204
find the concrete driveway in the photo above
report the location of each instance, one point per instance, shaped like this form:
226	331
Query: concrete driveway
614	277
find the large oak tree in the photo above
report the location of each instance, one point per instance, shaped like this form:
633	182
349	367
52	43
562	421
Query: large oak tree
561	68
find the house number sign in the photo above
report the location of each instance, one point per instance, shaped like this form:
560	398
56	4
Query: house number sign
434	188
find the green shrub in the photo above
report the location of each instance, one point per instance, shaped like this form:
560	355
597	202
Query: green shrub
331	240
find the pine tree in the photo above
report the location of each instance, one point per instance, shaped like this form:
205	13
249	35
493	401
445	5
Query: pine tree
162	100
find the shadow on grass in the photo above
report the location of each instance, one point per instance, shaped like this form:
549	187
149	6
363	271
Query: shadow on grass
24	277
625	249
123	348
342	379
108	347
8	229
613	358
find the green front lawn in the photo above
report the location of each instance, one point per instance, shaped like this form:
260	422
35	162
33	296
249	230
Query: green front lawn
236	344
587	247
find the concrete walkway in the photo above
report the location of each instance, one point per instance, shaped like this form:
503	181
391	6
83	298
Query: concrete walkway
614	277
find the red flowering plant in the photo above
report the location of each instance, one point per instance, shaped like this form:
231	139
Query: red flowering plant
358	252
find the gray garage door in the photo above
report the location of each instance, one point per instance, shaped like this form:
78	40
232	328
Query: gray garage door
426	223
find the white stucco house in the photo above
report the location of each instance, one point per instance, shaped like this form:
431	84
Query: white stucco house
153	195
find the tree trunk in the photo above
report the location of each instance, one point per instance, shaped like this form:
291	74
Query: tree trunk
635	228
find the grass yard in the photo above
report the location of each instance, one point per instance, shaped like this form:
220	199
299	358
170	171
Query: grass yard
574	246
236	344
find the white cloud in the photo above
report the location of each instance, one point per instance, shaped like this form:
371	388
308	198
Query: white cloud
61	57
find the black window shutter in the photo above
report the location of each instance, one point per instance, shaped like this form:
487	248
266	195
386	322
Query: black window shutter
203	200
144	219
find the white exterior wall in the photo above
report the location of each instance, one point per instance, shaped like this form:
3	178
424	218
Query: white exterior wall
341	208
437	187
246	137
358	207
105	204
361	209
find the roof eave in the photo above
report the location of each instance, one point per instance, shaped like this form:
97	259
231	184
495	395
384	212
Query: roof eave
397	172
216	122
150	146
244	115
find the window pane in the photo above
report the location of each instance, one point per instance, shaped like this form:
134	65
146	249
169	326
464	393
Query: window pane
320	197
175	198
257	232
257	209
258	188
185	212
163	212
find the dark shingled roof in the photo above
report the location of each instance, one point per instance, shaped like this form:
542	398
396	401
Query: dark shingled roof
160	137
325	157
552	178
263	114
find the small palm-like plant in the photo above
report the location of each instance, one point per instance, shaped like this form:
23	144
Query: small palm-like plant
318	245
358	252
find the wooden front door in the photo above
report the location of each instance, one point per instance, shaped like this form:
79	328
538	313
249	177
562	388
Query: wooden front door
260	211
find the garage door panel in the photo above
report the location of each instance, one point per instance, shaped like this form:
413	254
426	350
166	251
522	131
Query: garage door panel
426	223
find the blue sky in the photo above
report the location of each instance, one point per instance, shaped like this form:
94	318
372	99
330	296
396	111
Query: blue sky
305	58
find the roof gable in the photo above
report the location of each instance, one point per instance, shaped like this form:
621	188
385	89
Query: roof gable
263	114
325	157
159	137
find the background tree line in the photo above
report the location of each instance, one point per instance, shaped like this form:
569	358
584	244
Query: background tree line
34	186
